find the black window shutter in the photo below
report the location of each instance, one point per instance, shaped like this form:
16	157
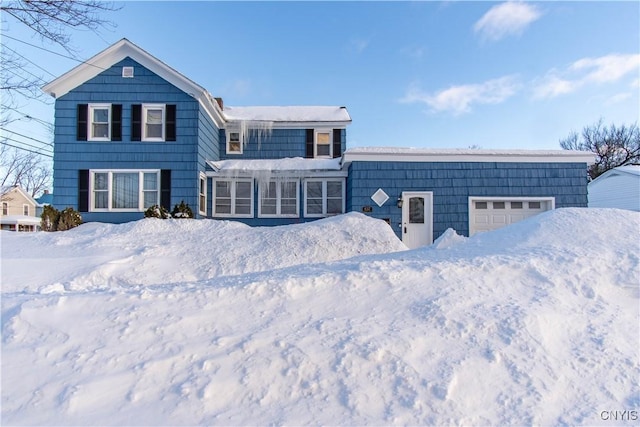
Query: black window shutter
116	122
136	122
337	143
83	190
165	189
170	124
83	117
309	144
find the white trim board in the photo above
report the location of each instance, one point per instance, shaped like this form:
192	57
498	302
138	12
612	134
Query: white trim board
375	154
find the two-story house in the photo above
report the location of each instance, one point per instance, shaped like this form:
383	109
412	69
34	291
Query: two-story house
131	132
19	211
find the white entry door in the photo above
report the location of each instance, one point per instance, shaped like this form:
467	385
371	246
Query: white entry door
417	218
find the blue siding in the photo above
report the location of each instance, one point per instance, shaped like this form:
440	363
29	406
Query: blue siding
452	183
196	138
275	144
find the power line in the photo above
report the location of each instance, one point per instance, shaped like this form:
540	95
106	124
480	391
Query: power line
24	143
28	137
51	51
27	116
30	61
26	149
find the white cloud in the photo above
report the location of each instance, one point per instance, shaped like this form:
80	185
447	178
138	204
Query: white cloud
460	99
584	72
510	18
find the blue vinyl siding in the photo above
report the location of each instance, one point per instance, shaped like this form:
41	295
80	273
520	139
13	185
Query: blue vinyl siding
196	138
452	183
274	144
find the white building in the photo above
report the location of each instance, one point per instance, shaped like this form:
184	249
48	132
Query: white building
616	188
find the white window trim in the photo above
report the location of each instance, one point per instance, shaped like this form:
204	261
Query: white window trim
278	213
26	211
110	173
233	198
91	108
324	196
202	209
145	108
5	208
315	143
228	133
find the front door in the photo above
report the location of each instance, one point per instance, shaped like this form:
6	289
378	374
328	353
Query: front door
417	218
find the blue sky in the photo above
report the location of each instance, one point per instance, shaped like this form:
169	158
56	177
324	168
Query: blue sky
495	75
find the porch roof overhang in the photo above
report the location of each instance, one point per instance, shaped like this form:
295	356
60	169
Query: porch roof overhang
286	167
20	220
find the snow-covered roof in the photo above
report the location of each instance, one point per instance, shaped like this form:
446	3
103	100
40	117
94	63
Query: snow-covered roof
286	164
19	219
406	154
628	169
289	114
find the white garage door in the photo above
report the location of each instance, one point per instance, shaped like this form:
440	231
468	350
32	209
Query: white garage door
491	213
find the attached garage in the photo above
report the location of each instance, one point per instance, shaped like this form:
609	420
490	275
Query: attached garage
490	213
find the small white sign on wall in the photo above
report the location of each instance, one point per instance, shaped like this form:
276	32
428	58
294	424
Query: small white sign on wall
380	197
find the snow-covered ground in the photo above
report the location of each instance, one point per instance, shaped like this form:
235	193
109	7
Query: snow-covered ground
334	322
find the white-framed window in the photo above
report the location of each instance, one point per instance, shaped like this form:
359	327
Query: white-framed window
124	190
234	141
323	143
25	210
202	195
324	197
279	198
153	122
233	198
99	122
5	208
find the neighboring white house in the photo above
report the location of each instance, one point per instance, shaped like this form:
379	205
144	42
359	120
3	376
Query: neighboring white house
18	210
616	188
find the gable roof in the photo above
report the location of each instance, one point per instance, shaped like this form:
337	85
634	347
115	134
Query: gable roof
6	190
116	53
626	170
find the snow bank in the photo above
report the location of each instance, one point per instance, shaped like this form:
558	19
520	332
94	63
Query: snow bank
154	251
536	323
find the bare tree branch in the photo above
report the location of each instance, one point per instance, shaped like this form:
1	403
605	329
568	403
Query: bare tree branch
613	146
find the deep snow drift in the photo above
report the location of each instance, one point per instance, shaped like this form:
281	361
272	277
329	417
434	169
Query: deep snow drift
333	322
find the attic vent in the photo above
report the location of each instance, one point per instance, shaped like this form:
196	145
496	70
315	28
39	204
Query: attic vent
127	72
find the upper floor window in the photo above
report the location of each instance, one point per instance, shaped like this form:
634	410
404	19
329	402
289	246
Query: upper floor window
153	122
25	210
234	142
153	116
5	208
323	143
99	122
